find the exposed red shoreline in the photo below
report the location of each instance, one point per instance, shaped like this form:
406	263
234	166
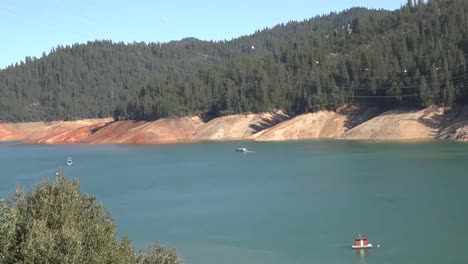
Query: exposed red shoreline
400	124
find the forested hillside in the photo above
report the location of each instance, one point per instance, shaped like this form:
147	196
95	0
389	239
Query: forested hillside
412	56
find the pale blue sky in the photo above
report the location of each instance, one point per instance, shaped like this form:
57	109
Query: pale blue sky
30	27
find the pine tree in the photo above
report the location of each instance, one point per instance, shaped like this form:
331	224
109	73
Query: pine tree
426	94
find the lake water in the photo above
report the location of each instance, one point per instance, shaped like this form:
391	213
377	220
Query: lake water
289	202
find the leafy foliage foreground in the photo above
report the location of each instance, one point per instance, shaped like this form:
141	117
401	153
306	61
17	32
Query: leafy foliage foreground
56	223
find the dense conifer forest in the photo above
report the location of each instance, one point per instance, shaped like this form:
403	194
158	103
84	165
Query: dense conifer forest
414	56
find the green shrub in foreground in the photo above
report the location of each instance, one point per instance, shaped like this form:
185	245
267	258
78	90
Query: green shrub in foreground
55	223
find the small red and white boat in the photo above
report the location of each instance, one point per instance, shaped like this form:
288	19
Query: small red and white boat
361	242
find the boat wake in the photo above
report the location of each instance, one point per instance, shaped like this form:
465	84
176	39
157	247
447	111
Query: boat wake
244	150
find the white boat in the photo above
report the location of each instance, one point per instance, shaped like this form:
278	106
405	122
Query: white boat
69	161
241	150
361	242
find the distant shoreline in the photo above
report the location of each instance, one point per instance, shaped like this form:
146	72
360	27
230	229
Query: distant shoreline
363	124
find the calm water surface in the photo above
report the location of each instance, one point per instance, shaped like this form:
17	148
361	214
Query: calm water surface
293	202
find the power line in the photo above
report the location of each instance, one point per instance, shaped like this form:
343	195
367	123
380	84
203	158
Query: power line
383	96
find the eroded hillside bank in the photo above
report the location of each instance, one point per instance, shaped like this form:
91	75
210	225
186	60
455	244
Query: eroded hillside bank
351	124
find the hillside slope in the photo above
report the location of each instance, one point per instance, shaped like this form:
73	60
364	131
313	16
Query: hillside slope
159	131
358	124
410	57
323	124
43	132
238	126
399	125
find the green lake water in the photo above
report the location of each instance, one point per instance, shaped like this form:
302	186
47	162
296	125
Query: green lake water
288	202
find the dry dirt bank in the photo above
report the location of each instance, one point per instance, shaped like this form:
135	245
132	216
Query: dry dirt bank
42	132
159	131
400	124
238	126
353	124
